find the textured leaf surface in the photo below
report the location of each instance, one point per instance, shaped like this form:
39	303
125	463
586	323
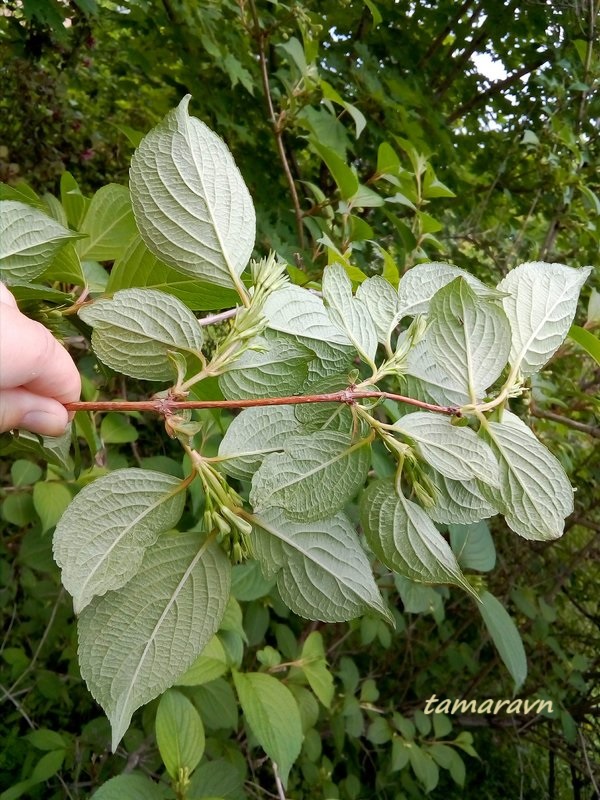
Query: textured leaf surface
535	494
322	571
405	539
179	733
459	502
473	546
299	312
129	787
135	642
382	302
253	434
469	337
419	284
314	477
191	204
273	716
134	331
434	383
277	369
100	541
349	313
457	453
108	224
541	303
29	240
138	267
505	636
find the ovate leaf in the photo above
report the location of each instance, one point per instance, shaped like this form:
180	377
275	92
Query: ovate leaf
135	642
457	453
29	240
419	284
541	303
405	539
535	494
276	368
136	329
349	313
315	476
469	337
100	541
434	383
314	667
253	434
108	224
459	502
322	571
179	733
273	716
297	311
50	499
505	636
191	204
381	301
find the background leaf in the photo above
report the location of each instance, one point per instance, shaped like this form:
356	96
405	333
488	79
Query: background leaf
505	636
108	224
179	733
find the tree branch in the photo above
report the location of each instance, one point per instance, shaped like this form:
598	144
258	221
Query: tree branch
168	406
591	430
277	128
498	87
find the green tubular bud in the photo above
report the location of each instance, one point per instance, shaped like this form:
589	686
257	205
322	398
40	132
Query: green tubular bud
223	527
243	526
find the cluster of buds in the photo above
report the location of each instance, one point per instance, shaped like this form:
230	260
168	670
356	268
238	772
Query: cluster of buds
397	364
222	513
268	275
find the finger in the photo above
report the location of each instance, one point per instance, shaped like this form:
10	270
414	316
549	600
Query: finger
22	409
31	357
7	297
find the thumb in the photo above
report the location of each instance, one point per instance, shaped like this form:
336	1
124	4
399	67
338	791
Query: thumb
22	409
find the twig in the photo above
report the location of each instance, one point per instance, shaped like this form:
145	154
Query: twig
587	763
167	406
215	319
591	430
278	783
277	128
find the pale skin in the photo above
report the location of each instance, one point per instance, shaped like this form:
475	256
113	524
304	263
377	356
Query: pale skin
37	375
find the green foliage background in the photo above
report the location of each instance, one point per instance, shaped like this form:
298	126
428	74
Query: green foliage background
484	173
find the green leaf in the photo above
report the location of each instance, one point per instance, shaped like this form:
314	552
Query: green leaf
273	717
50	500
129	787
134	332
108	224
297	311
457	453
191	204
469	337
459	502
272	368
44	739
419	284
314	476
424	767
73	201
473	546
586	340
345	178
405	539
210	665
535	494
252	435
314	667
29	240
322	571
100	541
217	704
138	267
541	304
505	636
382	304
116	429
348	313
179	733
217	780
24	473
65	267
172	606
434	383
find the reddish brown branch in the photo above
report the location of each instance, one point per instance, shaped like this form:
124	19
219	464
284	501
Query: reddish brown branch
166	406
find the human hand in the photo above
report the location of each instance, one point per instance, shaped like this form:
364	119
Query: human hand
37	375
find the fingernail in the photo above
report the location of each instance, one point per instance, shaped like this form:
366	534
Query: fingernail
44	423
